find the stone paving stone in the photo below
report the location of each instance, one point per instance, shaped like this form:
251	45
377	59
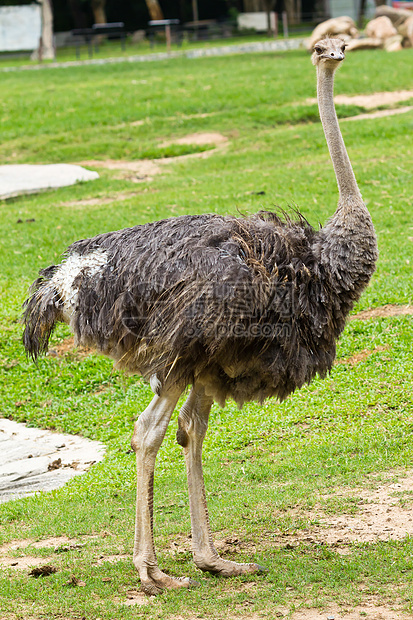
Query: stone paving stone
17	179
29	459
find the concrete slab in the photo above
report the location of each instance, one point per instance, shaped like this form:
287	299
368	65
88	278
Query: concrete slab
17	179
34	460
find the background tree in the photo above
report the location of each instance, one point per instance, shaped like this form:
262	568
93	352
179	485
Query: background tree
269	7
99	11
154	9
46	49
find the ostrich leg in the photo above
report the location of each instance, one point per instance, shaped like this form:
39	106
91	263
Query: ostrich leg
148	435
193	424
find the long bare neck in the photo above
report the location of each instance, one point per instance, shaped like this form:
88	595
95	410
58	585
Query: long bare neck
347	184
346	246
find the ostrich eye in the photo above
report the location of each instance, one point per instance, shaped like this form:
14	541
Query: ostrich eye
318	50
343	47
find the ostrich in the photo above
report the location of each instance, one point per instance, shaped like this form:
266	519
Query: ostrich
242	308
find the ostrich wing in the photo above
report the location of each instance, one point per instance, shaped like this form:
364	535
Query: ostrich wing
234	302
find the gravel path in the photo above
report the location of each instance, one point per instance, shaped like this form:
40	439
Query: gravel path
224	50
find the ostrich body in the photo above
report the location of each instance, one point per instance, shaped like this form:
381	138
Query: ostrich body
242	308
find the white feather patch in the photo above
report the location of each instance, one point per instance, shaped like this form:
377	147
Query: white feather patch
67	272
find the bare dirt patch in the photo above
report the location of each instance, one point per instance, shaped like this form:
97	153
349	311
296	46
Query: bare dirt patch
370	611
231	545
384	513
360	357
47	543
68	346
381	516
379	114
56	544
375	100
191	116
199	138
112	559
144	170
181	117
139	171
179	544
92	202
135	597
23	563
189	156
382	312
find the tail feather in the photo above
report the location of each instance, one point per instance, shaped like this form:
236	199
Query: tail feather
42	310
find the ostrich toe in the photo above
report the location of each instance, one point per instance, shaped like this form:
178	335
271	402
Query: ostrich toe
155	582
227	568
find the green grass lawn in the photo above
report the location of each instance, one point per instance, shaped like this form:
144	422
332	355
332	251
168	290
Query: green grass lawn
267	468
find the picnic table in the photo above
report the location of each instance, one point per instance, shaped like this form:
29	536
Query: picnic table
200	28
169	25
92	36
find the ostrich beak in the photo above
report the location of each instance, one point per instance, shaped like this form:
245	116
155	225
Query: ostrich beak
334	55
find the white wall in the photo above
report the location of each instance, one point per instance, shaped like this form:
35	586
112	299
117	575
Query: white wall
255	21
20	27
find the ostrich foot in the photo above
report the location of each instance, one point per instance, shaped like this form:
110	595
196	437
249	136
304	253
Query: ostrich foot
154	581
225	568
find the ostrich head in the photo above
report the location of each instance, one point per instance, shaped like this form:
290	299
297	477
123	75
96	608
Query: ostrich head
328	52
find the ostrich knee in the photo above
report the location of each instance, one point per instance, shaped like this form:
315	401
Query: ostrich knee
150	427
193	419
146	441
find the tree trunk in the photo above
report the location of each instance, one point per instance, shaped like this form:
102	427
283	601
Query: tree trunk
99	13
253	6
154	9
269	5
290	8
362	9
298	11
46	49
195	12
